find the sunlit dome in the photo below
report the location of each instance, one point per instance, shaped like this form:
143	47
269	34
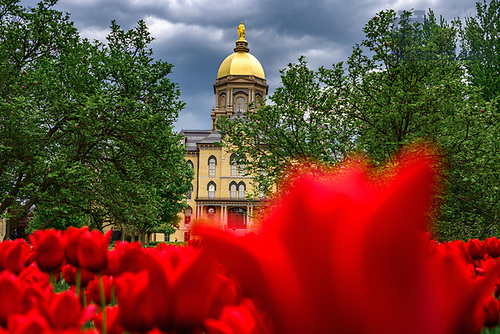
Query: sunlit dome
241	62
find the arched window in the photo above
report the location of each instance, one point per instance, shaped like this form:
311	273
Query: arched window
211	189
241	190
240	105
233	189
222	101
235	168
190	164
187	215
211	165
258	99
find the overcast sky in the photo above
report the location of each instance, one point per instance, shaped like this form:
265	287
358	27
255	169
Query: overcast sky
196	35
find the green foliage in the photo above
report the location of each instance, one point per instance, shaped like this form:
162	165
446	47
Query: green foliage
480	45
402	83
86	135
298	126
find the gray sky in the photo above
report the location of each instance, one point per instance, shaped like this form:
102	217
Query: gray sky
196	35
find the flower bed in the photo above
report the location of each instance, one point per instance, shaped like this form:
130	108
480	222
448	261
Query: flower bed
370	267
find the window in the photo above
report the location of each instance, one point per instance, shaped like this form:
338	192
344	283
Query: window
188	195
235	168
240	105
233	189
211	189
258	99
211	165
222	101
241	190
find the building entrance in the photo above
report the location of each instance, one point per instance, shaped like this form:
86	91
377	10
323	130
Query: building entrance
236	218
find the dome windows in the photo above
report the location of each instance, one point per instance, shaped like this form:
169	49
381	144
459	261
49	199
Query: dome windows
240	104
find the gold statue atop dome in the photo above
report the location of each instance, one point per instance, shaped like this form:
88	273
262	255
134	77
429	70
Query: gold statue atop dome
241	32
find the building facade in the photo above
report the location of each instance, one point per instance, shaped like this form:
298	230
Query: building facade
220	187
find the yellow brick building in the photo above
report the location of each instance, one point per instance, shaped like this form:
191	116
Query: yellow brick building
220	187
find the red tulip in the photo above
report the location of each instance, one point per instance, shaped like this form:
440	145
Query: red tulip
241	319
33	276
11	296
31	323
93	292
475	248
72	237
92	250
113	325
69	274
16	255
491	307
188	279
492	247
126	257
49	249
65	311
348	252
135	300
190	286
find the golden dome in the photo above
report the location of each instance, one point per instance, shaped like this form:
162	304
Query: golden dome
241	62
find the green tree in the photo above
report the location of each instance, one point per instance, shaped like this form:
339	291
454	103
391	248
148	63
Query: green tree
86	135
480	47
298	127
411	86
402	83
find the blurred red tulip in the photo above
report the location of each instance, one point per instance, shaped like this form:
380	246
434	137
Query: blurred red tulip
188	279
475	248
33	276
126	257
93	292
31	323
113	325
92	250
135	300
69	274
11	296
72	239
362	264
49	249
492	247
15	255
241	319
65	311
190	285
491	308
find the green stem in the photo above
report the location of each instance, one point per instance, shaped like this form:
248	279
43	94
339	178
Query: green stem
84	298
78	281
103	304
113	296
52	280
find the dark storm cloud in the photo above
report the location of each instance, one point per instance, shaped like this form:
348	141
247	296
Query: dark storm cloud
196	35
